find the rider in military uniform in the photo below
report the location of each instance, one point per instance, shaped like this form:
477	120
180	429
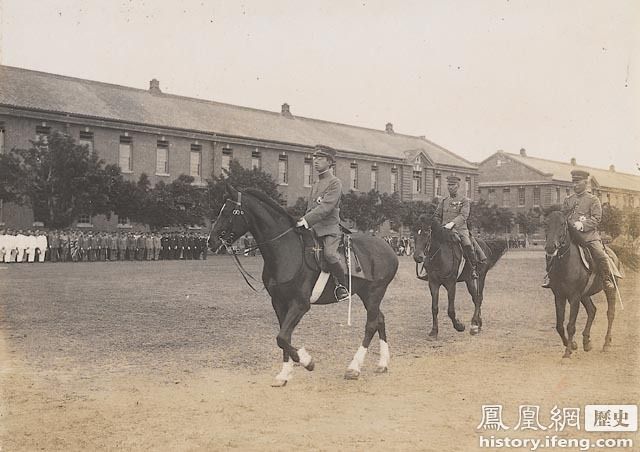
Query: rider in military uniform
323	214
584	212
453	212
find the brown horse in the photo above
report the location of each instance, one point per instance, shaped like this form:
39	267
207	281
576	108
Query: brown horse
440	253
570	281
290	272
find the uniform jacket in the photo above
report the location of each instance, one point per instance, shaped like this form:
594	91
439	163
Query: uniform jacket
585	208
454	209
323	207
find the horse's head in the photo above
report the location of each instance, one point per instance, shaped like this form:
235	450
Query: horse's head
556	232
422	238
231	223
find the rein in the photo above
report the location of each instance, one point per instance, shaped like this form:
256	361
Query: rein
227	243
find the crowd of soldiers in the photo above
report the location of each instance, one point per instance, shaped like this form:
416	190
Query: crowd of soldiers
403	246
71	245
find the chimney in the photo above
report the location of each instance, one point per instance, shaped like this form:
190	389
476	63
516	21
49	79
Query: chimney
423	137
573	161
523	152
286	111
389	128
154	87
612	168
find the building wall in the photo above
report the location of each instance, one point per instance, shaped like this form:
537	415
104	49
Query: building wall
501	168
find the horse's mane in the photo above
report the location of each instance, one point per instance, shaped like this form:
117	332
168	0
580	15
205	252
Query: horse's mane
262	196
494	249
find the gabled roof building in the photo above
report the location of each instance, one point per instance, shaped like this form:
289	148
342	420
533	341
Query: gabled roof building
521	182
164	135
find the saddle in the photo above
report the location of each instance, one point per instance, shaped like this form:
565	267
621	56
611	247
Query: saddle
589	263
346	246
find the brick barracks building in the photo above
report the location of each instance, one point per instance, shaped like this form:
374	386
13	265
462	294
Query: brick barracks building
520	182
164	135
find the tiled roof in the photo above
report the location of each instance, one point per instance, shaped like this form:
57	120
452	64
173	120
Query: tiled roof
43	91
562	172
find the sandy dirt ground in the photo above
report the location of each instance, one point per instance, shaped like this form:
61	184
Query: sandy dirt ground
181	355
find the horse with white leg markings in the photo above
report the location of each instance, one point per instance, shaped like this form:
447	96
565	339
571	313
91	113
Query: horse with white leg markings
291	270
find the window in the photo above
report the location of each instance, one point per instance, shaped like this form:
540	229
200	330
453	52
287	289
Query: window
498	162
162	158
195	163
536	196
609	198
417	182
438	184
467	187
227	155
374	178
84	219
123	221
125	154
557	195
42	136
308	173
506	194
256	160
492	196
521	196
283	169
86	139
2	132
353	176
394	180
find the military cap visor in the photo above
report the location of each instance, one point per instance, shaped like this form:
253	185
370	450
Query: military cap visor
325	151
579	175
453	180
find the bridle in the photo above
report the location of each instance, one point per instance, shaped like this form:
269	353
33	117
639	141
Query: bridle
228	242
563	244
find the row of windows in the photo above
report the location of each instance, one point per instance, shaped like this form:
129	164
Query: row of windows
506	196
125	158
437	184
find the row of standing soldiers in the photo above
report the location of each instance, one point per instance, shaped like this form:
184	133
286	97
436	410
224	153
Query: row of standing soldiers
92	246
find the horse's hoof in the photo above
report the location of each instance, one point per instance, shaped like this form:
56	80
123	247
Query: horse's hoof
587	346
381	369
606	347
567	354
459	327
433	334
310	366
574	346
475	329
351	374
279	383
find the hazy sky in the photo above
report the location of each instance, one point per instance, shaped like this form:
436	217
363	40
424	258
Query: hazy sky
559	78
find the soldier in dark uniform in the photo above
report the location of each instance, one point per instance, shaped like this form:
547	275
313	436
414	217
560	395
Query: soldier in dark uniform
453	212
584	212
323	214
164	242
173	246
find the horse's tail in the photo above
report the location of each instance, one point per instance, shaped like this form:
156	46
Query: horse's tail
494	249
627	256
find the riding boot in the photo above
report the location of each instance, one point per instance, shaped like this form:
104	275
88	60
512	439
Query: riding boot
607	278
467	250
547	282
337	272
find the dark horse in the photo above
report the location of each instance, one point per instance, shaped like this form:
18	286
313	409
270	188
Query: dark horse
570	281
439	251
291	270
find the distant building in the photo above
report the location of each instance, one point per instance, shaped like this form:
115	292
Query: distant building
164	135
520	182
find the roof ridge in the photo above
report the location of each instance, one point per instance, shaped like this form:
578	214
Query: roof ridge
569	164
196	99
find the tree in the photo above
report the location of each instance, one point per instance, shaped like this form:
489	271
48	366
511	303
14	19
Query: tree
392	209
410	212
240	178
632	221
529	222
612	220
60	180
12	187
299	208
364	209
176	204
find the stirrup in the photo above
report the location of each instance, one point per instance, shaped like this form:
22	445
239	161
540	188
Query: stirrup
546	283
345	295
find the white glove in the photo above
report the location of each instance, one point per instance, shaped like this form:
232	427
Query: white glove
302	223
578	225
449	225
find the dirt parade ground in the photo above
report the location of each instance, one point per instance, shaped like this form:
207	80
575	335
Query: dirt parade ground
181	356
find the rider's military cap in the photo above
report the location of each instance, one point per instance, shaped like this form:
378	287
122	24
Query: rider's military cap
453	180
326	151
578	175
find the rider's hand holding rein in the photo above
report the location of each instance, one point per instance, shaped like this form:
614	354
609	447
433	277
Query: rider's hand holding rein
302	224
449	225
578	225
